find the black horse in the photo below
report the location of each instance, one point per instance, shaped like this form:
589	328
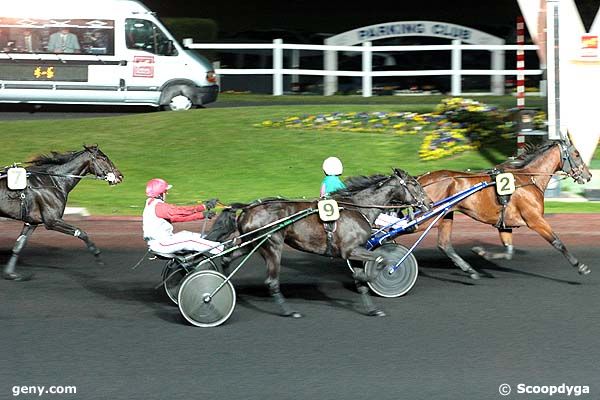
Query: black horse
50	179
361	202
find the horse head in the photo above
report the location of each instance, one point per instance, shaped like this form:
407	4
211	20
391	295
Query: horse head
414	194
572	163
101	166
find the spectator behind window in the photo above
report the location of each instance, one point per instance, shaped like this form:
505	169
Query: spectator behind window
28	41
3	41
63	42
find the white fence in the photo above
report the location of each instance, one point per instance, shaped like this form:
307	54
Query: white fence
367	74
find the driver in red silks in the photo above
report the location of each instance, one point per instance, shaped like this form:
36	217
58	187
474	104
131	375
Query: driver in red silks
158	217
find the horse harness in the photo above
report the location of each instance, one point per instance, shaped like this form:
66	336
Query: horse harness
503	199
22	195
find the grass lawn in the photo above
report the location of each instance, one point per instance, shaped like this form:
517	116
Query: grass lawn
218	152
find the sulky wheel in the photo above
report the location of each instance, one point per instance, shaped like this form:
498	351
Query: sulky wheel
401	280
195	304
174	272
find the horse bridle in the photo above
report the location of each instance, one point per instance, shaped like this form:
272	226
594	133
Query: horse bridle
419	203
568	165
108	176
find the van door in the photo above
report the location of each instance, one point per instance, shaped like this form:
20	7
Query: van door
152	61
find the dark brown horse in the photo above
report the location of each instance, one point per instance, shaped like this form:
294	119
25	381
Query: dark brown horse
43	201
532	172
361	202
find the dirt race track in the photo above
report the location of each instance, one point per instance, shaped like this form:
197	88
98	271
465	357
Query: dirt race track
125	232
105	330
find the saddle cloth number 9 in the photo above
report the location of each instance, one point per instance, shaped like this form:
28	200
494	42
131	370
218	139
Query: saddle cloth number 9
328	210
505	184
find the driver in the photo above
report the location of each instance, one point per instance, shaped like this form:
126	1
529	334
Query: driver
158	217
333	168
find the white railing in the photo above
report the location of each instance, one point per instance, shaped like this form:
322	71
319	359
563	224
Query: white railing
367	74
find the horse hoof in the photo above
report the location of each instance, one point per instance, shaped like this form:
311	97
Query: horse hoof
377	313
293	314
13	276
480	251
475	275
584	269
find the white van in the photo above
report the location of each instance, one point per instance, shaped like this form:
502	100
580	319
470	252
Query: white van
97	52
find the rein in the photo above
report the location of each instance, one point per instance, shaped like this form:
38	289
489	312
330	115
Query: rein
65	175
110	176
346	203
395	207
487	176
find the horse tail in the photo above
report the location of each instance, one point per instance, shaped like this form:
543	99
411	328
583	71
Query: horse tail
226	222
224	225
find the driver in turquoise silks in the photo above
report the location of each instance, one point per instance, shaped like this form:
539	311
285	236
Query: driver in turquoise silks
333	168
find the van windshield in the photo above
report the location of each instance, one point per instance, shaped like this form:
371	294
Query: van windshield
141	34
77	36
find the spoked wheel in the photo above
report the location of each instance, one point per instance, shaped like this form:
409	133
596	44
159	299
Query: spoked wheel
174	272
196	304
400	281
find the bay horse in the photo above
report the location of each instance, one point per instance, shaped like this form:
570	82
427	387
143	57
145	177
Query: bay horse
361	202
43	201
532	172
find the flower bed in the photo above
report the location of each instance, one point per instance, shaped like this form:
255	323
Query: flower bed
455	126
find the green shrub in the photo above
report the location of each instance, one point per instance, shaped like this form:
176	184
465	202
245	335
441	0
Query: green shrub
199	29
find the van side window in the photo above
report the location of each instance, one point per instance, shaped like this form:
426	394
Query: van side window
141	34
76	36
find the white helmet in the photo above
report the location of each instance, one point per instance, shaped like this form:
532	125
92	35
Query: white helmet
333	166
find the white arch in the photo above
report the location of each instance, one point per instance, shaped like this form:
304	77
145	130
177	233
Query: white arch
437	29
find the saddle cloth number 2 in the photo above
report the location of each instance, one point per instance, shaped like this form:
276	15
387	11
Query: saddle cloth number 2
328	210
505	184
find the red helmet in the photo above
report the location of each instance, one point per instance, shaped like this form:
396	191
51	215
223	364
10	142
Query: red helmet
155	187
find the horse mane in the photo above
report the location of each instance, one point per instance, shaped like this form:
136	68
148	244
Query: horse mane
355	184
532	151
56	158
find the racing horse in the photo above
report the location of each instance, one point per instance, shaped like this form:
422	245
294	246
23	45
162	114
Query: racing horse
361	202
532	172
50	179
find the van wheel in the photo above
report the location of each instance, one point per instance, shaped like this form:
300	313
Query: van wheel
177	98
179	102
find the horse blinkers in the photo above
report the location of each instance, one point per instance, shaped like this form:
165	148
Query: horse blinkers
109	173
415	190
572	163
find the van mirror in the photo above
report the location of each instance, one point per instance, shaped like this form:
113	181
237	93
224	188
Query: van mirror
166	48
170	48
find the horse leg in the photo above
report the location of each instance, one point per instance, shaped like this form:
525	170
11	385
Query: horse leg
363	255
228	258
506	239
61	226
543	228
9	270
272	255
445	245
361	280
